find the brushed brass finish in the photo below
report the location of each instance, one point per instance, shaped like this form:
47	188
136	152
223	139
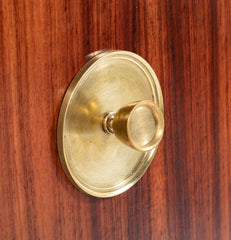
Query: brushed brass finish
96	161
139	125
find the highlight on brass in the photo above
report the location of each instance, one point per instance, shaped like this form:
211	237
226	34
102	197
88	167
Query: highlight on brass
139	125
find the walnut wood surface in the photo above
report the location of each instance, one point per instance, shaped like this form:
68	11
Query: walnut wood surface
186	192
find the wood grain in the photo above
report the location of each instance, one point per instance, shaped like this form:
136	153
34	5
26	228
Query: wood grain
186	192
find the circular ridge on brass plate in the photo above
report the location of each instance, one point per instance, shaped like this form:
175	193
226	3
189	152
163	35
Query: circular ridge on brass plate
96	162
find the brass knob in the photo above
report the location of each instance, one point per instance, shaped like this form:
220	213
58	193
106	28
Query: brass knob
103	93
139	125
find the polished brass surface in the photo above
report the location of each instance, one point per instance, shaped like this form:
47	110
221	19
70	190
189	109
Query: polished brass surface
107	122
94	160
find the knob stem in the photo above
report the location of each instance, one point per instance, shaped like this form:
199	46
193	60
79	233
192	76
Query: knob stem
107	122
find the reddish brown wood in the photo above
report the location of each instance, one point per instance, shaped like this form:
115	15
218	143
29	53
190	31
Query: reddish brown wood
186	192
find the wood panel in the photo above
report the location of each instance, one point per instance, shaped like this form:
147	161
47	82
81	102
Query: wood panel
186	192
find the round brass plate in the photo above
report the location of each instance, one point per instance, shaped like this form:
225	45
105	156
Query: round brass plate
96	162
